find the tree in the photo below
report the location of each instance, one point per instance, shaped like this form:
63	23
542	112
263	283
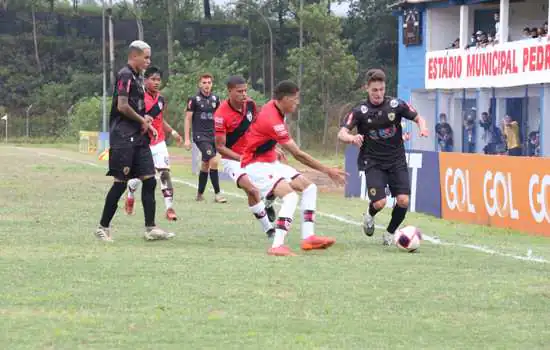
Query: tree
371	26
183	83
329	69
35	37
207	11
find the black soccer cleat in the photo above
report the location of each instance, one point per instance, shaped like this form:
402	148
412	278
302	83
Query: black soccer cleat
271	215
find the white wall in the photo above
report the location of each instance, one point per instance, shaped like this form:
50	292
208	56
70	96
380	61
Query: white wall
447	23
533	114
424	103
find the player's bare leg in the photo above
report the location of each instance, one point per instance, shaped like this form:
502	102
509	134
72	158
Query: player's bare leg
368	219
256	205
397	216
168	193
289	200
308	205
152	232
215	180
133	185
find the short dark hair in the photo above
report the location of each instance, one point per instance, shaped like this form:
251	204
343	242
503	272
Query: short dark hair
206	76
285	88
235	80
152	71
374	75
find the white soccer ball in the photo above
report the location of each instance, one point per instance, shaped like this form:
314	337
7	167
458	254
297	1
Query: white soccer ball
408	238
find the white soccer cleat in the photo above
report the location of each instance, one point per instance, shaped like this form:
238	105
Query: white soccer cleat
368	224
156	234
104	234
387	239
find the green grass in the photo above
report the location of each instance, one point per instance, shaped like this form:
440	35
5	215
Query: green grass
213	286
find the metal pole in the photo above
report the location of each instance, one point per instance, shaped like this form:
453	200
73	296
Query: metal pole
6	129
300	72
111	44
27	121
104	97
271	63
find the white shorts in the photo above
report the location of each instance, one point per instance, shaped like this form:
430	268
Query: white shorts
161	158
265	176
233	169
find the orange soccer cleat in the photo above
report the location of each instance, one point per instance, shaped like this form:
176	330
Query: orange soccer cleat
171	215
280	251
317	242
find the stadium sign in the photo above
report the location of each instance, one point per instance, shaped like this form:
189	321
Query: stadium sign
509	64
509	192
423	174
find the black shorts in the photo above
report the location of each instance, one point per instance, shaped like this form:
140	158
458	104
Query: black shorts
130	162
396	177
207	148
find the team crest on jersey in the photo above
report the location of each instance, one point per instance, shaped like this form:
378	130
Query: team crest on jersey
208	152
214	98
364	109
369	120
391	117
126	170
213	104
394	103
372	192
160	105
249	116
198	98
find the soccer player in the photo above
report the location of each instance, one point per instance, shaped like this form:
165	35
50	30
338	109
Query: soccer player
200	113
271	177
129	152
232	120
155	106
382	153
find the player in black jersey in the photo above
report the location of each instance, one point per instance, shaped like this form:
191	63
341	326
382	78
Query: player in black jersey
382	153
129	152
200	115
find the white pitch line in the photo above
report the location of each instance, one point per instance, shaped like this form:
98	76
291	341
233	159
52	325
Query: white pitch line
433	240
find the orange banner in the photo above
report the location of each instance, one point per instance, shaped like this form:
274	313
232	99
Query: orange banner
502	191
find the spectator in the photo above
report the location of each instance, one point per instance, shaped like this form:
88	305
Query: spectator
444	134
469	131
545	29
511	133
533	145
492	136
496	16
534	33
481	38
454	45
526	34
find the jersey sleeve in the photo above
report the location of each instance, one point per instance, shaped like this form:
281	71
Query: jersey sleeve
350	121
191	104
124	82
278	132
219	124
407	111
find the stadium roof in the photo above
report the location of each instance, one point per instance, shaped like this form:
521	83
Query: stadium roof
410	2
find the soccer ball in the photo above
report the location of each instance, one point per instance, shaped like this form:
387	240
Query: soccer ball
408	238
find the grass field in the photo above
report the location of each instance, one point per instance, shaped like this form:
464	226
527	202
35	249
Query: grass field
213	286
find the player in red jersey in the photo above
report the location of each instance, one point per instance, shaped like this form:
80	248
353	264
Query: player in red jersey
155	106
232	120
275	179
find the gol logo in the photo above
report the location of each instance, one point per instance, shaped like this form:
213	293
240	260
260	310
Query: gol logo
538	198
457	190
497	195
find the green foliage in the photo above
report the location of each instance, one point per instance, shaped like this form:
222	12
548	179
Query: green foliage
86	115
183	83
371	26
329	69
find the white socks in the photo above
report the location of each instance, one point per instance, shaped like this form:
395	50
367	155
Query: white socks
286	213
133	185
259	212
308	206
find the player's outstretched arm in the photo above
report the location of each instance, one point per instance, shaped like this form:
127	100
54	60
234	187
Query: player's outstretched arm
170	130
224	150
345	136
337	175
187	129
421	122
128	111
